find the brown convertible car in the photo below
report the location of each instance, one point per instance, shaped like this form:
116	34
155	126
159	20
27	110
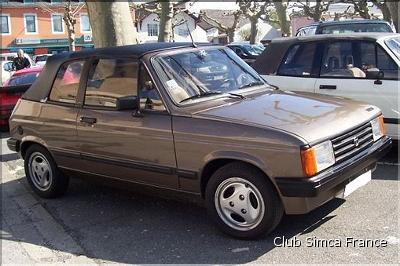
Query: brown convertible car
195	119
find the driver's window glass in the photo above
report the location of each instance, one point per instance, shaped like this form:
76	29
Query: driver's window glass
298	61
110	79
149	97
387	65
66	84
341	60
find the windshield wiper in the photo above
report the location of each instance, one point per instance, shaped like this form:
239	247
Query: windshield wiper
251	84
207	93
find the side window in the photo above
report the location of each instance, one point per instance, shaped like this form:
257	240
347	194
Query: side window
149	96
66	84
340	60
298	60
386	64
110	79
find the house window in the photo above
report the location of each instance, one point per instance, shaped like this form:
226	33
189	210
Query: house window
183	32
57	23
5	24
152	29
30	23
85	24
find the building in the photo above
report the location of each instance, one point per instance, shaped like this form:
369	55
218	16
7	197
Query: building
183	23
37	27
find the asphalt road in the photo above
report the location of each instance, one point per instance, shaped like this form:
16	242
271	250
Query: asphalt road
94	223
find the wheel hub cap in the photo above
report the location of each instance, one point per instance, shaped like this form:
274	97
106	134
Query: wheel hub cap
239	204
40	171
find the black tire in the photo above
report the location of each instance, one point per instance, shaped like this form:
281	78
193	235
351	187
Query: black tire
273	207
58	181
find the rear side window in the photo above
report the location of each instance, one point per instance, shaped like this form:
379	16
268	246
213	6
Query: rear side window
298	60
66	85
110	79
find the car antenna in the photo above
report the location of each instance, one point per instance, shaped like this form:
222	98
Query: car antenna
190	34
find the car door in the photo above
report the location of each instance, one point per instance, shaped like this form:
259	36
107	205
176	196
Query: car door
297	70
124	144
58	114
343	72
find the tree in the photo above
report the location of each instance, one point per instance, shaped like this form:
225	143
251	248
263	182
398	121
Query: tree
111	23
229	30
253	10
389	9
166	11
394	11
313	9
70	13
281	11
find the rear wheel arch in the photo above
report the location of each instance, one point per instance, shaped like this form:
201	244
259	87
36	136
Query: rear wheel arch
28	143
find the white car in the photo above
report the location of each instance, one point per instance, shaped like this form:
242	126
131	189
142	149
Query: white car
11	56
360	66
41	59
6	71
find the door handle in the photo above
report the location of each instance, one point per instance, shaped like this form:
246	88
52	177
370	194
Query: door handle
88	120
327	87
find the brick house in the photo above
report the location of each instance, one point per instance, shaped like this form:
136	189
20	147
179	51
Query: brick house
27	25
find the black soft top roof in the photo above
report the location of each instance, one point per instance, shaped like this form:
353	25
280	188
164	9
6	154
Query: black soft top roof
41	87
270	59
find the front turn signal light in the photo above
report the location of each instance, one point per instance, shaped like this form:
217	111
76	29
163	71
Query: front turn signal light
309	162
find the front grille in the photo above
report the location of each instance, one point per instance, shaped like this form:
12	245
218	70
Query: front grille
353	142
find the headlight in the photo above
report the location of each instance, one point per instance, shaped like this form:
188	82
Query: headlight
378	128
317	158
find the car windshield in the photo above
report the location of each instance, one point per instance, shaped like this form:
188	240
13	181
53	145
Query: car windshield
255	49
356	27
394	45
28	78
197	75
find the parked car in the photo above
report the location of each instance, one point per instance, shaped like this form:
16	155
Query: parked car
248	52
11	56
362	66
12	90
147	114
40	59
6	71
345	26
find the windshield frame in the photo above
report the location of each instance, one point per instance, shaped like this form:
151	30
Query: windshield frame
387	40
245	91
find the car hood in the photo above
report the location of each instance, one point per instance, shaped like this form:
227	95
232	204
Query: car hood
311	117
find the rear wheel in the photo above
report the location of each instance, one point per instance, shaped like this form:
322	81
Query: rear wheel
242	202
43	174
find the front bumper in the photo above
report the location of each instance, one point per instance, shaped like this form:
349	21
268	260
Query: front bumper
335	177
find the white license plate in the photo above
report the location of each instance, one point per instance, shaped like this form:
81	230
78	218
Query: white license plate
360	181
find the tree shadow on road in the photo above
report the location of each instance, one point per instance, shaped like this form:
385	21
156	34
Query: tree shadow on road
131	227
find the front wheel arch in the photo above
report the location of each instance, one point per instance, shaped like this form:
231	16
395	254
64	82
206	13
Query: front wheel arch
212	166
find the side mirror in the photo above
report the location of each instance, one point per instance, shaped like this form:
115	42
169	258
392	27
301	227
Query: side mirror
127	103
374	73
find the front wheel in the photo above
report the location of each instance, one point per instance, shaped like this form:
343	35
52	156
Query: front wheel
242	202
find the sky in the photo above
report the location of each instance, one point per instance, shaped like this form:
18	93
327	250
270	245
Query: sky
222	5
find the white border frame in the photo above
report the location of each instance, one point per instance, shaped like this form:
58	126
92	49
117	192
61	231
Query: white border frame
80	22
9	24
52	23
36	24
